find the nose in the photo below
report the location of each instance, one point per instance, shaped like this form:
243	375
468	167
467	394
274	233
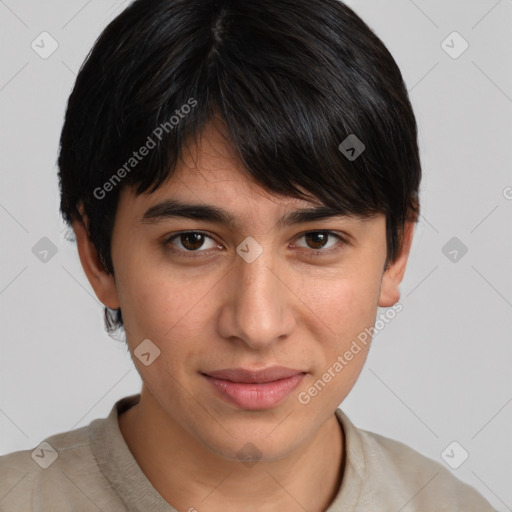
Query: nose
260	302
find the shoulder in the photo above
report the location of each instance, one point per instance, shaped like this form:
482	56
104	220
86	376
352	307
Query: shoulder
398	475
52	472
53	453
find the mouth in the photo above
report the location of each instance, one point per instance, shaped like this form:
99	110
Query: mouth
255	389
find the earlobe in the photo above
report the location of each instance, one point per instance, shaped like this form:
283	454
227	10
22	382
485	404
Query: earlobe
102	282
394	273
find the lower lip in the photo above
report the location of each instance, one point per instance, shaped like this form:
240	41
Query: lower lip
255	396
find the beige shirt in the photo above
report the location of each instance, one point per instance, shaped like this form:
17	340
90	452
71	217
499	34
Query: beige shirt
92	469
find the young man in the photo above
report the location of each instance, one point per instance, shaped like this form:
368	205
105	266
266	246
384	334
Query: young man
242	179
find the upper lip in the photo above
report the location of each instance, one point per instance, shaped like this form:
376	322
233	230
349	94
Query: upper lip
254	376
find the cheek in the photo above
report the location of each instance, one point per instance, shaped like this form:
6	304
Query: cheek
150	307
163	302
346	306
346	302
158	306
144	297
348	310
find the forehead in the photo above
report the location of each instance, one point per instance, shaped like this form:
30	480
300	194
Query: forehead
210	171
213	165
211	184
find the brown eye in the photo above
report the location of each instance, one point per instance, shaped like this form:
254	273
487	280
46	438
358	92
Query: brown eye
189	241
192	241
317	239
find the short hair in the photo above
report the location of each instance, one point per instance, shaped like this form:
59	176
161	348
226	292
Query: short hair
291	80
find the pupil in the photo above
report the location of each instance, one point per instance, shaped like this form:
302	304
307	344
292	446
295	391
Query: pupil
316	236
198	242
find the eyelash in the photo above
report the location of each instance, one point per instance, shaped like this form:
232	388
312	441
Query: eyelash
315	252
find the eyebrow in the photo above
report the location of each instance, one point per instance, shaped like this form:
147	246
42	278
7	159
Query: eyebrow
172	208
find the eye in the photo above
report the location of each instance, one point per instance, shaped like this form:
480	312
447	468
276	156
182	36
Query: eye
317	241
192	241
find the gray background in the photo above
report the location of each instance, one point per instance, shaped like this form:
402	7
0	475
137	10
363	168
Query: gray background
439	372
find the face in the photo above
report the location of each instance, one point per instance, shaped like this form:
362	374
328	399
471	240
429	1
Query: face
210	298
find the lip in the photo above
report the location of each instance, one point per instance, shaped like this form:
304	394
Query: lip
270	374
255	389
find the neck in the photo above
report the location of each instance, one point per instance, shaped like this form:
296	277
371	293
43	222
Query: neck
191	476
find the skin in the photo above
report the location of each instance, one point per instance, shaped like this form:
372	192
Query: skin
217	311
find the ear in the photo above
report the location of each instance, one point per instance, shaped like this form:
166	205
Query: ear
102	282
392	277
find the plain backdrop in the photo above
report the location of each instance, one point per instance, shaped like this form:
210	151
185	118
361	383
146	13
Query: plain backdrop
439	372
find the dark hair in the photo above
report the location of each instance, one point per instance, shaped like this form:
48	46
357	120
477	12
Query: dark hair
291	79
